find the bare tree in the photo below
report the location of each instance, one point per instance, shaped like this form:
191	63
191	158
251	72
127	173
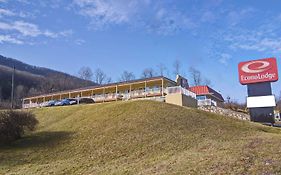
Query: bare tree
161	68
108	80
148	73
127	76
207	82
99	76
85	73
234	105
32	91
177	67
197	78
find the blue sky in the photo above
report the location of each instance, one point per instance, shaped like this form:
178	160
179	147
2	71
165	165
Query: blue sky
115	35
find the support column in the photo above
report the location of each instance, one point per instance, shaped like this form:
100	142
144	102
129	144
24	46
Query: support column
103	95
145	89
162	89
60	96
69	95
116	93
130	91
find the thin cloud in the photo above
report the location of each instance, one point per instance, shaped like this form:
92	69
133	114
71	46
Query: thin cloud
31	30
5	12
9	39
134	13
261	39
80	41
225	58
103	13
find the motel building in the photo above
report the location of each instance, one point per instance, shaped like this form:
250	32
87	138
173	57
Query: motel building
156	88
207	96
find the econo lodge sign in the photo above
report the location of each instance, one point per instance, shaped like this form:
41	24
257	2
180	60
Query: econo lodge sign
257	71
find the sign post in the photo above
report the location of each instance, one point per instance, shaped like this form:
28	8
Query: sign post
258	75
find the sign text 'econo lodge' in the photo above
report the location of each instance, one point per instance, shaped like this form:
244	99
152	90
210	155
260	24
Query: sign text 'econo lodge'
257	71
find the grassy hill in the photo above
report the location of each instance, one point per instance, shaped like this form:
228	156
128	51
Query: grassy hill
142	137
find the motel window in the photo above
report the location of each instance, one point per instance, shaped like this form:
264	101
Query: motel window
201	97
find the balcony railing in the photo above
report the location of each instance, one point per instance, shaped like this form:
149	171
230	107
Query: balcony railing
126	95
207	102
180	90
149	92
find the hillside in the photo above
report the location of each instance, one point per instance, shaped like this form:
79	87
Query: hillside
142	137
32	80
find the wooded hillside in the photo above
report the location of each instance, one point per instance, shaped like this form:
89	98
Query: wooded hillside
32	80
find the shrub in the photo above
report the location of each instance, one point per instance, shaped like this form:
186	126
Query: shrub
13	124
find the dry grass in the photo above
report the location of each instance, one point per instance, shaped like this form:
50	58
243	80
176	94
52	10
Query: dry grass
142	137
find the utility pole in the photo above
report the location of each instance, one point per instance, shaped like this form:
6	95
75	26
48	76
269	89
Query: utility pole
12	91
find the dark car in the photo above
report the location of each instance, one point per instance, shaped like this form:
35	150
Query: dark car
86	100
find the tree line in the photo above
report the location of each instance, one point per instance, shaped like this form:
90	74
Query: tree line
100	77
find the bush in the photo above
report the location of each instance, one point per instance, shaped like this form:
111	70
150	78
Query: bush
13	124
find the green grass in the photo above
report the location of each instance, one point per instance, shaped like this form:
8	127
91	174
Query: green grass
142	137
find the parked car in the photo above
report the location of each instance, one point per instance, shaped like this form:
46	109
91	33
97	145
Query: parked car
63	102
86	100
51	103
72	101
45	104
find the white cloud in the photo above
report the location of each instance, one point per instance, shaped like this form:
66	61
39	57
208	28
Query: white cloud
234	17
27	29
134	13
80	41
265	38
208	16
9	13
5	12
106	12
64	33
32	30
170	23
225	58
264	45
9	39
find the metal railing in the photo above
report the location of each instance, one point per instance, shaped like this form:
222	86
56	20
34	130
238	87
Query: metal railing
207	102
31	105
141	93
180	90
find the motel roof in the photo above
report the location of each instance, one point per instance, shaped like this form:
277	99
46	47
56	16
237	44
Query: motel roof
105	86
206	90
